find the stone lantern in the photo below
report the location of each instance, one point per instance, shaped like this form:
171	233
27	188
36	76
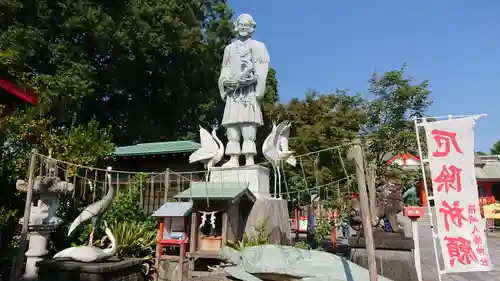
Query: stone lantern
42	219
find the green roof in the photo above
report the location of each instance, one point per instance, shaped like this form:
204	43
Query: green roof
174	209
156	148
216	190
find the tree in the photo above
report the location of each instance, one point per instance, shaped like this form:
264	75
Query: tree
148	69
20	133
495	150
269	103
319	122
389	127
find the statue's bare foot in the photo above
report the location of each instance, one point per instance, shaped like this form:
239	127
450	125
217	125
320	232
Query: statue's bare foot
233	162
249	161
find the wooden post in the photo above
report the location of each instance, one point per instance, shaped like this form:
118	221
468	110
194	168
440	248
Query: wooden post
179	187
224	228
371	190
17	270
158	248
167	186
181	262
357	154
194	228
193	239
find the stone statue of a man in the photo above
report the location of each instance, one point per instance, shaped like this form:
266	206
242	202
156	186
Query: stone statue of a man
242	85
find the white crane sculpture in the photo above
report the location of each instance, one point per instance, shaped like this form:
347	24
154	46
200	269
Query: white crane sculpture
275	150
95	210
90	253
211	151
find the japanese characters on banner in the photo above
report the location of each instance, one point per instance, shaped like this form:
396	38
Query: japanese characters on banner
460	227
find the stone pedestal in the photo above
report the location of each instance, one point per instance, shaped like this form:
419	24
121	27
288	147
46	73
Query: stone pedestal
273	212
256	176
37	250
385	241
118	270
393	252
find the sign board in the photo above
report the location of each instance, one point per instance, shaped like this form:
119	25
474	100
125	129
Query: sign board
492	211
461	230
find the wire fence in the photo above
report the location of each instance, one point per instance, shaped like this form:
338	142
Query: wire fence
309	179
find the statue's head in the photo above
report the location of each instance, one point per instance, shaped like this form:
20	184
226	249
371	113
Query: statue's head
245	25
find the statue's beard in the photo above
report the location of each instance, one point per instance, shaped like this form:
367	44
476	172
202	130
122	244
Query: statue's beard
244	33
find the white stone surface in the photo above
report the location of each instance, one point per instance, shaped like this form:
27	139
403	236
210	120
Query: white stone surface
42	219
242	85
256	176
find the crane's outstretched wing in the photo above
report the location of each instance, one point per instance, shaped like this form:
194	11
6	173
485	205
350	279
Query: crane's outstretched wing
281	126
291	160
285	129
207	141
269	147
208	149
283	135
88	213
201	154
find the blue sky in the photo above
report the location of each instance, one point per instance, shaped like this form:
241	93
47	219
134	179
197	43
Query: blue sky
327	44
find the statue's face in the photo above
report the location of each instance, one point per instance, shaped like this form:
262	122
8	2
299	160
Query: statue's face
244	27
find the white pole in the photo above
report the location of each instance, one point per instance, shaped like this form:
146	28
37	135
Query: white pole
416	250
424	178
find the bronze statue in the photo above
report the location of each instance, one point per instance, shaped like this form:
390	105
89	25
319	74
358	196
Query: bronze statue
389	202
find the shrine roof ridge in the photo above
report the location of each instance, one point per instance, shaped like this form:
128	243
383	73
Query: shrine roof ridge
156	148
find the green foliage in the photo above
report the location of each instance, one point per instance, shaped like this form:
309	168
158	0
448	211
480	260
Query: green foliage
135	239
122	64
126	205
79	144
126	209
260	237
389	127
320	122
407	177
6	216
323	229
302	245
495	150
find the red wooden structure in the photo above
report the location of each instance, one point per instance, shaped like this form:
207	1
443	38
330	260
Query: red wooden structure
173	229
173	238
24	95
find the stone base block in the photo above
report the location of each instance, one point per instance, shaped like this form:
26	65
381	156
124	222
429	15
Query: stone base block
395	265
385	241
274	212
111	270
256	176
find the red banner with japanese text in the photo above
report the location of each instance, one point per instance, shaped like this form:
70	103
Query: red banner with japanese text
461	230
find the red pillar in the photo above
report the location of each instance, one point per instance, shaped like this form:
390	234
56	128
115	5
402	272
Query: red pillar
422	194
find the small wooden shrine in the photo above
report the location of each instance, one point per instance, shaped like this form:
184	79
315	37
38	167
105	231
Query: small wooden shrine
220	211
173	230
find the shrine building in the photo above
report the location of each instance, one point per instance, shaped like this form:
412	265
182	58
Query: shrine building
487	168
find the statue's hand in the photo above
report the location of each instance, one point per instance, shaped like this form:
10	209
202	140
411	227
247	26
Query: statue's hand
248	80
230	83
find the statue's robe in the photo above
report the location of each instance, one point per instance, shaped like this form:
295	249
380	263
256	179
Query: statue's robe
242	104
